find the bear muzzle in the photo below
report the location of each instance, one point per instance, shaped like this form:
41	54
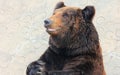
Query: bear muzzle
47	23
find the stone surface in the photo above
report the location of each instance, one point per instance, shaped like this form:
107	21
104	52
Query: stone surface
23	38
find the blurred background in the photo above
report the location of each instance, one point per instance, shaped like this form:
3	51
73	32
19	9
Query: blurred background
23	37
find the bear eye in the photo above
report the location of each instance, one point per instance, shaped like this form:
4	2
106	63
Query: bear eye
65	15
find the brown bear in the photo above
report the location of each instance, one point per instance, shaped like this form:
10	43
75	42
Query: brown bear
74	47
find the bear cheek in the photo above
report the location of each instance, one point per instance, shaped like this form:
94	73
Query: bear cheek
76	25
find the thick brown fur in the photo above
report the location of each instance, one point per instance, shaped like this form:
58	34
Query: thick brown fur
74	46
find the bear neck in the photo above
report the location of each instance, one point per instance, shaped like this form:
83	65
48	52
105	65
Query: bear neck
85	40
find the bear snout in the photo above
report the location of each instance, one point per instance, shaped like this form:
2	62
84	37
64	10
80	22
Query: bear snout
47	22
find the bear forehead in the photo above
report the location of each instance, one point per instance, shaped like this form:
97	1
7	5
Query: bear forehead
65	9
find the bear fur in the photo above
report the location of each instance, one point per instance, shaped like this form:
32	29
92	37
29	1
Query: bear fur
74	47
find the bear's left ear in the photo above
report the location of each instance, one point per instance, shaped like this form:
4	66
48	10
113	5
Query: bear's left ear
88	13
59	5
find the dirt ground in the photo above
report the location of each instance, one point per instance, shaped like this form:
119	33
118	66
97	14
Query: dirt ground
23	37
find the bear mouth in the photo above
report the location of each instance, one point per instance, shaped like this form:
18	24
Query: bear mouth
52	29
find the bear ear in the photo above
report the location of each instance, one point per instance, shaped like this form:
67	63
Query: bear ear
59	5
88	13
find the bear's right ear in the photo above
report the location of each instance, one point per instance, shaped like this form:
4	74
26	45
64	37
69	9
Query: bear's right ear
59	5
88	13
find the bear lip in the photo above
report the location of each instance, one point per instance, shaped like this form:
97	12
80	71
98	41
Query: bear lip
51	29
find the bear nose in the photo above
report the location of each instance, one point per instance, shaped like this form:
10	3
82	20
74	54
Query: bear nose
47	22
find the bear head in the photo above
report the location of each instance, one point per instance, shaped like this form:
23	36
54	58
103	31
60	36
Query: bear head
67	19
68	23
